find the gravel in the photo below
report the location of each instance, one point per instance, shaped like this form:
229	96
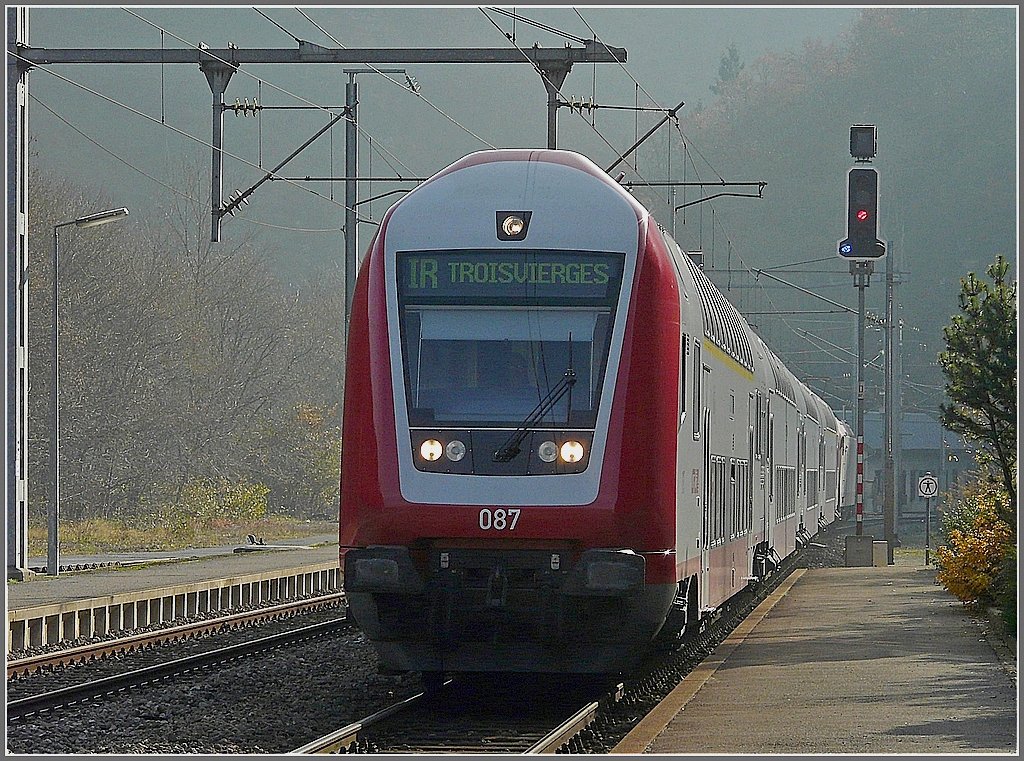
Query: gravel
271	703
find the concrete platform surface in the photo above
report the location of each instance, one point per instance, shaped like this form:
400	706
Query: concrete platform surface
169	569
856	661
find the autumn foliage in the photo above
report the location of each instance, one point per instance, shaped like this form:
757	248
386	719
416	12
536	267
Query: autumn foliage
978	547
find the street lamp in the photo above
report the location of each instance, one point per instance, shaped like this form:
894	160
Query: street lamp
52	549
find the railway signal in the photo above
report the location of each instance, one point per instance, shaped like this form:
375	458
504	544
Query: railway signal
863	141
861	240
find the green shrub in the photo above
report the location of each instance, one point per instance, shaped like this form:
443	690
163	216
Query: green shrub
205	502
1005	589
973	563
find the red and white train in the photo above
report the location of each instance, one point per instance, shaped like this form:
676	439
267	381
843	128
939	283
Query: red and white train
560	439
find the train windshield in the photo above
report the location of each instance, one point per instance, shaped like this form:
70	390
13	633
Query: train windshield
486	336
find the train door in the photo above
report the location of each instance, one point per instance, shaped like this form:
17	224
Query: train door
705	535
747	503
767	468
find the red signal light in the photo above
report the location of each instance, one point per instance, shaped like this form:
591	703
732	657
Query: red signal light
862	215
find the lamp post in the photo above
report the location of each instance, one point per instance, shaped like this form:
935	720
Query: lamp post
53	547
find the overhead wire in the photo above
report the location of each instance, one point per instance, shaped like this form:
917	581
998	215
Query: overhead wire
691	144
418	95
170	127
264	15
558	90
380	147
261	81
806	335
158	181
640	87
531	22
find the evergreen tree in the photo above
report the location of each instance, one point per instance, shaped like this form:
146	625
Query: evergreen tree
980	364
728	70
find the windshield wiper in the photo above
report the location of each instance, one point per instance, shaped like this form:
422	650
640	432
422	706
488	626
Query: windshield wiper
510	449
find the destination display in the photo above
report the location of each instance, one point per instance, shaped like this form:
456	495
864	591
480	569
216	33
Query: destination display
503	276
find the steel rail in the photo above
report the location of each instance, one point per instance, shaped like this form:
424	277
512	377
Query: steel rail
108	685
563	733
341	739
82	653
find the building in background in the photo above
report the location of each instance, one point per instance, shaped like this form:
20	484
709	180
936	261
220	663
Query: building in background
925	447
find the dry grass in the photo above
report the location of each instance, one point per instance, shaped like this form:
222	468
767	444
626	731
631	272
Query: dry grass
97	536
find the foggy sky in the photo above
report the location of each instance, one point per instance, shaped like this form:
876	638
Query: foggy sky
672	52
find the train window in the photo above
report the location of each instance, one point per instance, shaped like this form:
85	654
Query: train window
722	491
757	426
750	496
733	500
474	366
684	348
488	335
696	388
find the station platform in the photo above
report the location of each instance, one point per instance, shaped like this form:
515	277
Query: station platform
879	660
161	587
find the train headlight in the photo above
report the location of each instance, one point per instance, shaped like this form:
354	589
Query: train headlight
572	451
455	450
513	226
430	450
547	451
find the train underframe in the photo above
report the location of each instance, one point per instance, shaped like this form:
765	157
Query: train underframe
532	610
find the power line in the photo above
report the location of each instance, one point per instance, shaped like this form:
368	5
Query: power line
419	95
170	127
531	22
558	89
163	184
262	81
264	15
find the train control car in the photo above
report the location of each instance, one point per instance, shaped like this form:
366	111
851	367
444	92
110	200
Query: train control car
560	440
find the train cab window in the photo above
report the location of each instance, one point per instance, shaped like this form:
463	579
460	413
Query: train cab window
494	366
479	351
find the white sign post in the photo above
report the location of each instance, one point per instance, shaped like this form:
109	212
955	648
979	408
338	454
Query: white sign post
927	487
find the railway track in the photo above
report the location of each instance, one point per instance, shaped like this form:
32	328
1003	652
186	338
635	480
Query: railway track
54	699
35	664
475	716
507	717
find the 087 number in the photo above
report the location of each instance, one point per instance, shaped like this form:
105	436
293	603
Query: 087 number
499	520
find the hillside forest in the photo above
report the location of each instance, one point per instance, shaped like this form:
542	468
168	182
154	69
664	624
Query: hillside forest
198	382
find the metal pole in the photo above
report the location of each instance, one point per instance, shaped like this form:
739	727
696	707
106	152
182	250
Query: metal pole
888	507
861	273
217	75
553	76
897	410
351	178
52	540
670	115
350	196
927	528
17	299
